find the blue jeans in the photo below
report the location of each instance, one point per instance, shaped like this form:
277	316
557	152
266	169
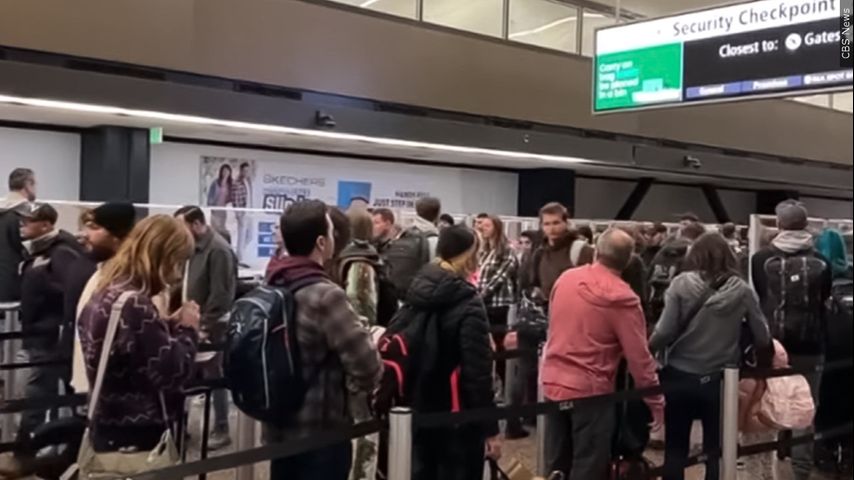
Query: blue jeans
330	463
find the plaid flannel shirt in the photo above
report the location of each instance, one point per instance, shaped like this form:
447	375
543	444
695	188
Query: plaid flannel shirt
497	280
240	194
339	359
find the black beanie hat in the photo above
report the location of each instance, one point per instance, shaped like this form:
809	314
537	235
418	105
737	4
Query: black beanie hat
455	241
115	217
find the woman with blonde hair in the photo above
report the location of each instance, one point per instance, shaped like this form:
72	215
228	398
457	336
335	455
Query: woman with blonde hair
150	355
455	360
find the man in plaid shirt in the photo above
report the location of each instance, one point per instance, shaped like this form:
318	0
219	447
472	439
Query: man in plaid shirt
339	358
241	197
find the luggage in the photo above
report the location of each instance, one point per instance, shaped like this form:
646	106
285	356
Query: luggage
795	292
631	435
406	255
787	402
262	362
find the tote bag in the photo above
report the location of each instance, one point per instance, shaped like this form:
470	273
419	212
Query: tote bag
93	465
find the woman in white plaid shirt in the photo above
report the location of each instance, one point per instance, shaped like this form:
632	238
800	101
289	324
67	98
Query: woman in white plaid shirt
497	281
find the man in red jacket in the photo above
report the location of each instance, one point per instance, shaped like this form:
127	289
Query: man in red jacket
595	319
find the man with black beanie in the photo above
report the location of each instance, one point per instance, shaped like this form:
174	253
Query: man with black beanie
104	230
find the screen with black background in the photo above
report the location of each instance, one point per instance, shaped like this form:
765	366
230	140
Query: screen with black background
704	65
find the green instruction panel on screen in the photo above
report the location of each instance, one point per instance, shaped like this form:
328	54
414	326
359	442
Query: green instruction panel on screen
634	78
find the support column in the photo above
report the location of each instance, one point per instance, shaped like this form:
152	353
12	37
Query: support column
543	185
767	200
114	164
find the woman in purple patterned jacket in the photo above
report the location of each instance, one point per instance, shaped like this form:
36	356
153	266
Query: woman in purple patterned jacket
152	354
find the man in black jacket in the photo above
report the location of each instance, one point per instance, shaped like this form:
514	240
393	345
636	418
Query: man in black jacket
43	279
793	282
22	189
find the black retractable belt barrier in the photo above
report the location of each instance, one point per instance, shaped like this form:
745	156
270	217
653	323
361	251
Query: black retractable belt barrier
45	363
515	353
762	373
262	454
658	472
446	419
19	335
16	405
835	432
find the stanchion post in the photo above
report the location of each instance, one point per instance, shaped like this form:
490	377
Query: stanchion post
729	424
245	441
400	444
541	429
10	313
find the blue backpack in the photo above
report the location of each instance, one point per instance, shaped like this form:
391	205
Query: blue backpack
262	362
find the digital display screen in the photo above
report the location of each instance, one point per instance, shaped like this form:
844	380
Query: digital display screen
756	49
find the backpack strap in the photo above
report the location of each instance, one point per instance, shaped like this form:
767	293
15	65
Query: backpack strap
575	251
106	348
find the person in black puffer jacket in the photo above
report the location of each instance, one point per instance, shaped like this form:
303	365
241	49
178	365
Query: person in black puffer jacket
43	278
442	289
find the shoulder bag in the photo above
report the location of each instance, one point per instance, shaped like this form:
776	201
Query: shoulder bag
93	465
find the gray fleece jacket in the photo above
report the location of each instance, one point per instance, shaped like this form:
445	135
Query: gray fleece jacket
711	340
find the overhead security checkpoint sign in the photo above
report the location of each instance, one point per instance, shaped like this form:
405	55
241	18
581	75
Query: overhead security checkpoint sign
758	49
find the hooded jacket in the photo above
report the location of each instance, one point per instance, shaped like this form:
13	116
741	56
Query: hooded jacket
550	261
710	340
12	251
792	243
463	340
594	320
337	352
43	279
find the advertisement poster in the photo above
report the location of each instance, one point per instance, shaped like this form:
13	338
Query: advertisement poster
228	184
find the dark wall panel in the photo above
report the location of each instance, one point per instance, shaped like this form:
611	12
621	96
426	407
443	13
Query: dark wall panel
114	164
541	186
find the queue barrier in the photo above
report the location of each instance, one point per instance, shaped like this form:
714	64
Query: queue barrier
402	422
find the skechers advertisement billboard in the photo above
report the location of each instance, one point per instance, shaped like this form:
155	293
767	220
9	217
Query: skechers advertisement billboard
759	49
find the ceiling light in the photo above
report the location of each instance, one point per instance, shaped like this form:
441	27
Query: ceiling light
159	117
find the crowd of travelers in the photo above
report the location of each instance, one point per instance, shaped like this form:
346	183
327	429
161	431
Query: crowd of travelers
369	314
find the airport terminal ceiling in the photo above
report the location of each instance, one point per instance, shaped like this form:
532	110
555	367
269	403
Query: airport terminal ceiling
248	135
554	24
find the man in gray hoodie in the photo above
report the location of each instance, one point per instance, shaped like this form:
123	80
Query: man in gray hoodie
793	281
22	190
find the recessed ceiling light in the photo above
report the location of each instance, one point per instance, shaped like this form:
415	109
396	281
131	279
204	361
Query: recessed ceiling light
158	117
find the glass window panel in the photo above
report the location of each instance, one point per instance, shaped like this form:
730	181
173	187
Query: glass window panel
842	101
544	23
399	8
818	100
478	16
592	21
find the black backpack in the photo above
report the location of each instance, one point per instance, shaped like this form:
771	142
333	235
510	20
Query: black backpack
795	283
405	257
666	265
262	363
387	294
409	350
